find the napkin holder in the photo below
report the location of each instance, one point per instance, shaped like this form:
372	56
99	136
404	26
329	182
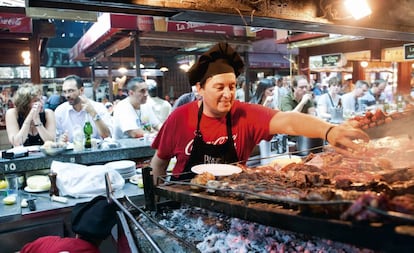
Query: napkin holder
15	153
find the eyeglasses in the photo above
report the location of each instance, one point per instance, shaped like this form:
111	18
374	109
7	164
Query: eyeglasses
302	87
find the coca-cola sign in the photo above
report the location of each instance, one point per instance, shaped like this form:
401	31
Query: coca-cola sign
15	23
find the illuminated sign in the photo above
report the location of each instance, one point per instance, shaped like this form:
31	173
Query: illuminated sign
409	51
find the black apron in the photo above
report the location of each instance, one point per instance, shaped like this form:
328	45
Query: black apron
203	153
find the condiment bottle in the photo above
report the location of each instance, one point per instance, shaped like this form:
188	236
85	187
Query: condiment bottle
87	130
53	187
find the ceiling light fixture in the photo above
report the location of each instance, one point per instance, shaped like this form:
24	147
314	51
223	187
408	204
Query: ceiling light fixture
364	64
184	67
323	41
358	8
122	70
164	69
26	57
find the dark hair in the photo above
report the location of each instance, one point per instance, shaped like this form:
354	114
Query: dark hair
152	91
261	88
361	83
241	79
131	85
296	79
78	80
377	82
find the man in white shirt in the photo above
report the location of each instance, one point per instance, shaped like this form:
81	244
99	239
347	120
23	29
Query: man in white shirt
132	116
162	108
350	100
72	114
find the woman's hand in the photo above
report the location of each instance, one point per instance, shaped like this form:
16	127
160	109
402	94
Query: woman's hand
268	101
37	107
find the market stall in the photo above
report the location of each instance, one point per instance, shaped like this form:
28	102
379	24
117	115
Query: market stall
364	203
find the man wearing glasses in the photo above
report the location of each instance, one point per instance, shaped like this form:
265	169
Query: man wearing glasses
132	116
300	99
72	114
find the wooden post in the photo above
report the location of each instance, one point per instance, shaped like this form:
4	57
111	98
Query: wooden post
34	42
404	77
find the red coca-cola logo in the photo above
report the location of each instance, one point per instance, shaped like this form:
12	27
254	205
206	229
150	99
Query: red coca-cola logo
11	21
218	141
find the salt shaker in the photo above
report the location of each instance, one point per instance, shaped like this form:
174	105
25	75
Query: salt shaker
53	187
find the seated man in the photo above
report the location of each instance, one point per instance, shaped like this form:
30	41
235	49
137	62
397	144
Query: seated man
78	109
132	116
350	100
300	99
92	223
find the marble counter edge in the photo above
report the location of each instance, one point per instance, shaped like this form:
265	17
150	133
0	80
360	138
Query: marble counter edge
130	149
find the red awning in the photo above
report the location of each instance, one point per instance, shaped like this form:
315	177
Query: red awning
110	24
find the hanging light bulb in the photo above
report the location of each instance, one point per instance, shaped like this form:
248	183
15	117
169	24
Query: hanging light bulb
122	70
163	69
26	57
185	67
364	64
358	8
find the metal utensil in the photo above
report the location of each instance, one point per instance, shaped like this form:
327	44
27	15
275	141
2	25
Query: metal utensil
279	155
393	214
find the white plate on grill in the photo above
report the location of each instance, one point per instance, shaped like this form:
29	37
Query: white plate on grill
216	169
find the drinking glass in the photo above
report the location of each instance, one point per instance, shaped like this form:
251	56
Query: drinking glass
12	184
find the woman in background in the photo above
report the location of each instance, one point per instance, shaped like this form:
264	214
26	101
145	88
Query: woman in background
264	93
28	123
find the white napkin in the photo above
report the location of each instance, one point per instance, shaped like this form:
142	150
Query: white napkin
79	180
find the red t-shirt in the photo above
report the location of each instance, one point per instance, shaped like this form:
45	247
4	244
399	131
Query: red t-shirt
56	244
250	125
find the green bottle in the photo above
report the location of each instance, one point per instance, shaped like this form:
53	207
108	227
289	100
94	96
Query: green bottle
87	130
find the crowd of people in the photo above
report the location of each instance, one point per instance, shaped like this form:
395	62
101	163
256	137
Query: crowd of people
321	99
210	124
137	110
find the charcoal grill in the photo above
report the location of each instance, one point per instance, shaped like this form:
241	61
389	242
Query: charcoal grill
396	236
385	237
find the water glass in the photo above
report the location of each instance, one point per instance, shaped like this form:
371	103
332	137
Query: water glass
13	184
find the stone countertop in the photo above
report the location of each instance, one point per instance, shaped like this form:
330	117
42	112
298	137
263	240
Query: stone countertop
44	203
129	149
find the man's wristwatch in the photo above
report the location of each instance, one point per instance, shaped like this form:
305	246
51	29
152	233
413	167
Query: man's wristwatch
97	117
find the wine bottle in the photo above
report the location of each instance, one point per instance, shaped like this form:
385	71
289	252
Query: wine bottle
87	130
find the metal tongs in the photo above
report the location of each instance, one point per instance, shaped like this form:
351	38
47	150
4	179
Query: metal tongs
393	214
111	199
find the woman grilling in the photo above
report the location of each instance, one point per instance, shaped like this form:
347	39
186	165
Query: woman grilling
28	123
220	129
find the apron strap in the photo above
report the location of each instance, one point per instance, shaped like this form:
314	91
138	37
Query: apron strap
228	123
